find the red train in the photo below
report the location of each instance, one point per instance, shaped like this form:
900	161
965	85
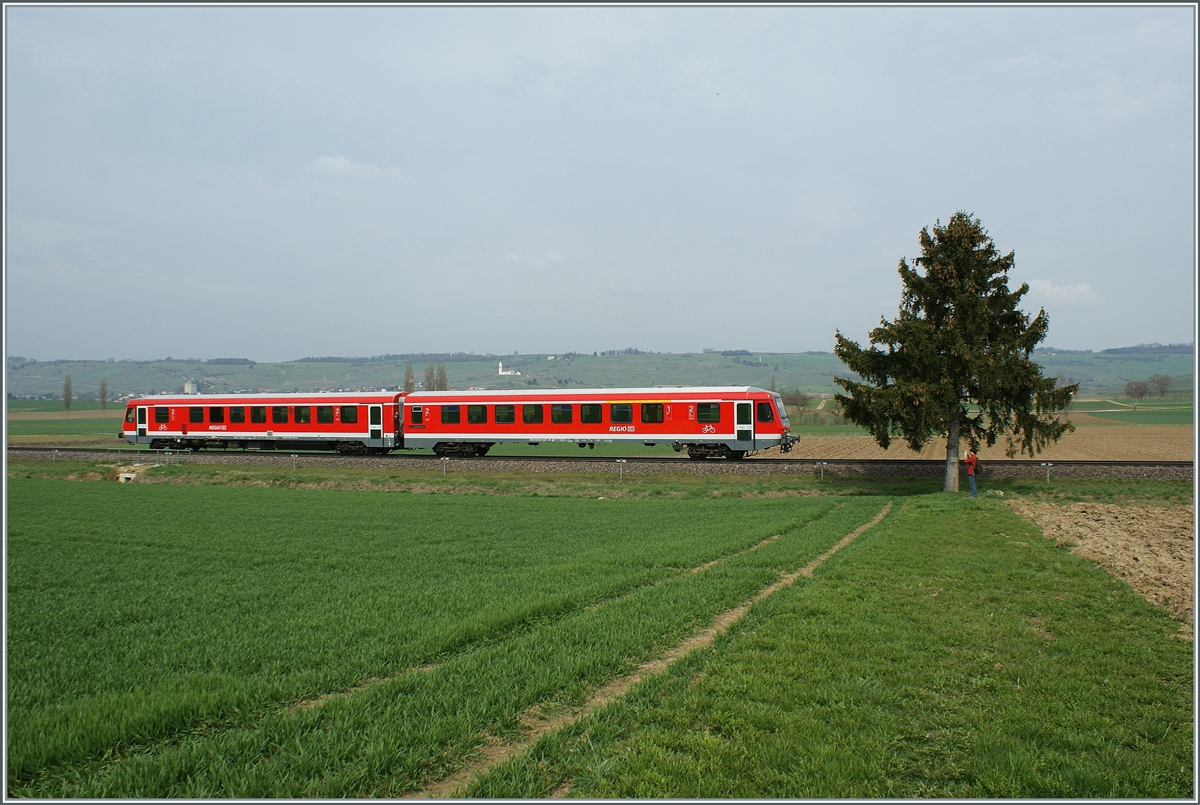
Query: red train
706	421
349	423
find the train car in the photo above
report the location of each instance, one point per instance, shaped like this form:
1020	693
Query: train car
353	422
706	421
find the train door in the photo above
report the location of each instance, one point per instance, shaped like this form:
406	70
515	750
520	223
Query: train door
141	421
375	417
744	420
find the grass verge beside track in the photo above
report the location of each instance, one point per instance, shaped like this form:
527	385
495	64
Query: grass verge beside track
950	652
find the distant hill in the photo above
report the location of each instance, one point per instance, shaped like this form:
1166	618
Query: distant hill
1106	371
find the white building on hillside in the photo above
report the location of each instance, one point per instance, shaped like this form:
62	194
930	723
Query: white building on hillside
509	372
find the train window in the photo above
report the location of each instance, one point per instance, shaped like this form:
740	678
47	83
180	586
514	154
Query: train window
708	412
216	414
129	414
765	414
279	414
561	413
375	414
620	412
303	414
506	414
325	414
162	414
450	414
418	415
743	413
477	414
652	412
196	414
531	414
258	413
349	414
237	413
589	412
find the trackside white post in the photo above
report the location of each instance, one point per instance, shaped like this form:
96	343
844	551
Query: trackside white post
1047	465
620	468
293	462
445	461
822	464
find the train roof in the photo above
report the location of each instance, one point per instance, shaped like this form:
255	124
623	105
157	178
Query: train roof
286	395
655	391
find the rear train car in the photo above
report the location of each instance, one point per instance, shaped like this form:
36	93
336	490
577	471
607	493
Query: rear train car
353	422
706	421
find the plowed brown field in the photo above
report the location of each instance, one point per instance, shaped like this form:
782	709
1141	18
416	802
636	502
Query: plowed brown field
1151	547
1111	443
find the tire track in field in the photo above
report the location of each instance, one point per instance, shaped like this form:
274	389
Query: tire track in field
535	723
370	682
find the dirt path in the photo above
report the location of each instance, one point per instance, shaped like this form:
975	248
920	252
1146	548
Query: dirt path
1151	547
535	723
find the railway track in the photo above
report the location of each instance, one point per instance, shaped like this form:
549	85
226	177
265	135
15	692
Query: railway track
632	464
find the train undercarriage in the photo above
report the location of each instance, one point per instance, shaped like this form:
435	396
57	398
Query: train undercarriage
355	448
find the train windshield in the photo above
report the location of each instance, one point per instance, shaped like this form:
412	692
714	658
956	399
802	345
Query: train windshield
783	417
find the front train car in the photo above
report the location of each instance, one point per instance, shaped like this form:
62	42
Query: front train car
728	421
351	422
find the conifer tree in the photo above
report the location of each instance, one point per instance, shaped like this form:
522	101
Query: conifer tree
68	393
103	394
956	360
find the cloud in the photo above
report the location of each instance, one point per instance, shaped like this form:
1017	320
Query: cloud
1081	294
537	262
340	167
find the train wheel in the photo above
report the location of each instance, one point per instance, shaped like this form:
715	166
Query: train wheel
735	455
696	455
482	449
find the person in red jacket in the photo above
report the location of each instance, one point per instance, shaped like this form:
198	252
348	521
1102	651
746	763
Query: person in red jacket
971	460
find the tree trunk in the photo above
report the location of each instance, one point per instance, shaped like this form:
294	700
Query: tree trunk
952	457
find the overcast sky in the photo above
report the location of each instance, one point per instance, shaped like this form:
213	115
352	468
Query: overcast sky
275	183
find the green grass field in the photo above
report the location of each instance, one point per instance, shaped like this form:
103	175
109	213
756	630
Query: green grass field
1153	411
164	637
951	652
65	427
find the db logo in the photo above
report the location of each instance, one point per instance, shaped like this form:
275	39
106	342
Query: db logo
162	427
709	429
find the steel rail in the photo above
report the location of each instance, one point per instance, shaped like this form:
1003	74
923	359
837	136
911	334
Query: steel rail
681	459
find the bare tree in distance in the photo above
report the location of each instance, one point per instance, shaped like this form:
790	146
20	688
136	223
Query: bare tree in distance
410	379
442	384
1137	389
798	398
103	394
430	378
68	393
1161	384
